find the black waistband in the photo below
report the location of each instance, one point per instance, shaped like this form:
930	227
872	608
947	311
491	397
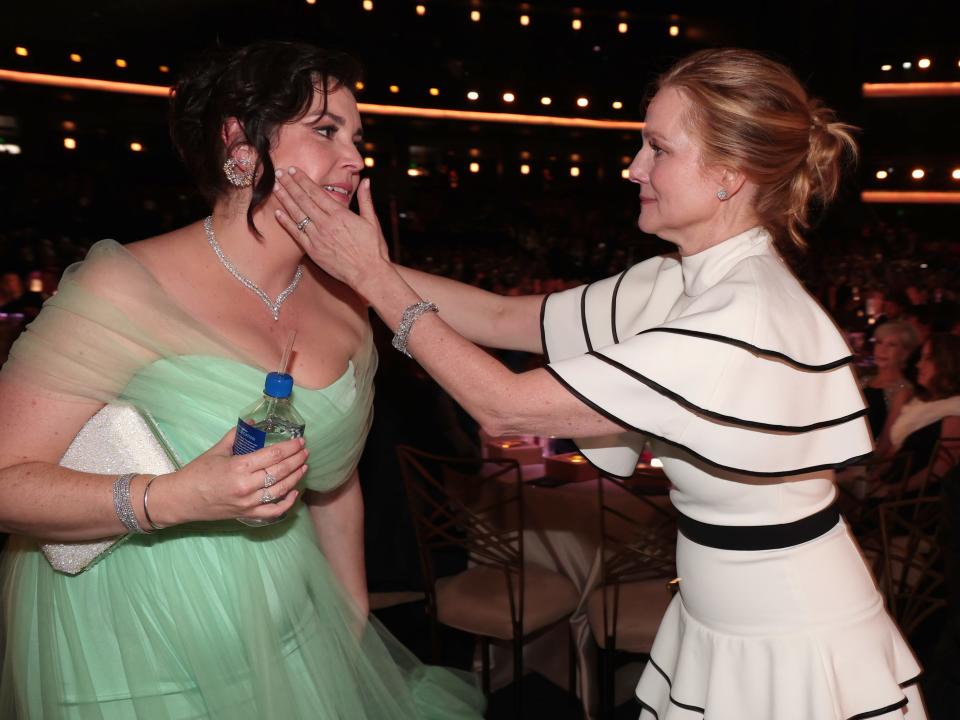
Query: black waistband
759	537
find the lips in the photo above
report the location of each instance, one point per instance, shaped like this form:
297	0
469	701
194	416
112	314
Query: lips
340	192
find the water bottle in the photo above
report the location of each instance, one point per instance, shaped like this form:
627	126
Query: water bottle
272	419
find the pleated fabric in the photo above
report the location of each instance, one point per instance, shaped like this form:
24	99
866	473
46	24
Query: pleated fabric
207	620
724	356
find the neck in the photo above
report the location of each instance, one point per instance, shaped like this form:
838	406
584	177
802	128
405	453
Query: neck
269	260
888	374
733	217
709	236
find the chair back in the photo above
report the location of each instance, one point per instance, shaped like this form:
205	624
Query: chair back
944	458
632	550
913	577
475	504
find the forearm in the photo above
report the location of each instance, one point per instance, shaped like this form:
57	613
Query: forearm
338	523
501	401
486	318
49	502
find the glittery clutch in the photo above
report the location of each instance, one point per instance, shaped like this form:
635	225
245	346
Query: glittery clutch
118	439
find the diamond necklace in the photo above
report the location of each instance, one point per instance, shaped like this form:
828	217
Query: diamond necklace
273	305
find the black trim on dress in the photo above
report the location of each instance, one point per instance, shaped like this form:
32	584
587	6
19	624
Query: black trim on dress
679	704
680	400
583	317
759	537
613	306
741	471
880	711
859	716
543	329
752	348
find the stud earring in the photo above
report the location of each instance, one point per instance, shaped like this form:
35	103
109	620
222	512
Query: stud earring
236	175
722	194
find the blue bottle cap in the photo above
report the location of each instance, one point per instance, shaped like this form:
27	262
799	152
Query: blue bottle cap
278	385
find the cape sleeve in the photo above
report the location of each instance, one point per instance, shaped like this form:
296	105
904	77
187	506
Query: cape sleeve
751	377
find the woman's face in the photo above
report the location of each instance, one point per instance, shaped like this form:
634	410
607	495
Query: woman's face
677	198
888	351
324	144
926	370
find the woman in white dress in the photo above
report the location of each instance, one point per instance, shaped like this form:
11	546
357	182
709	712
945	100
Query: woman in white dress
720	358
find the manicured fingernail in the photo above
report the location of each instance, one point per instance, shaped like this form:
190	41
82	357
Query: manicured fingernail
279	173
292	170
305	468
278	213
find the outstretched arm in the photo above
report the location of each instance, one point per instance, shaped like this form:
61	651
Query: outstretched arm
350	248
486	318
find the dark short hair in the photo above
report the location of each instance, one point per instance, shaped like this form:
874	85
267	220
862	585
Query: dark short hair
263	85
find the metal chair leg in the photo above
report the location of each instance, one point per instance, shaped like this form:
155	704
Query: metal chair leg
518	672
485	665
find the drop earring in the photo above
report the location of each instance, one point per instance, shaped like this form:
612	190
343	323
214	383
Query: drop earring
236	175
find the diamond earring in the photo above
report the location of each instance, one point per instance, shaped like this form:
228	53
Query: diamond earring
722	194
236	175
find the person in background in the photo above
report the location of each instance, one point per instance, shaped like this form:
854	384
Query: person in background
888	390
934	414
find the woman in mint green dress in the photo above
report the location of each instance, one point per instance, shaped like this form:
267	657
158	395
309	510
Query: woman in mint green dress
205	617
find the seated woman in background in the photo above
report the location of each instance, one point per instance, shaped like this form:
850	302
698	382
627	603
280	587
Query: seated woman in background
888	390
935	413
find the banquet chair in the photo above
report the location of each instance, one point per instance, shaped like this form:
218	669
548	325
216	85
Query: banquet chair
913	578
944	458
873	481
637	581
477	505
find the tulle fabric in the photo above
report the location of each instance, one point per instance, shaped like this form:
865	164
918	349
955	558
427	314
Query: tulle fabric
205	620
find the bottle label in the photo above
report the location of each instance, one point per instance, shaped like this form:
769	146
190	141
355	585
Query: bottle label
249	438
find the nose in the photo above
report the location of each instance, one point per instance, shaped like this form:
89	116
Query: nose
352	159
638	172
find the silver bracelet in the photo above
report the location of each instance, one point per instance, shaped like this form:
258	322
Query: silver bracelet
146	503
122	504
410	316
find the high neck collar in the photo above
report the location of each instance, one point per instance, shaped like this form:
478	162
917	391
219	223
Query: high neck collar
708	267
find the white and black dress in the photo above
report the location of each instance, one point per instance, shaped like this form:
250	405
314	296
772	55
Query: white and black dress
743	386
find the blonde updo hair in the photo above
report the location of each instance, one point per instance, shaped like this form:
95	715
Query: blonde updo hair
752	114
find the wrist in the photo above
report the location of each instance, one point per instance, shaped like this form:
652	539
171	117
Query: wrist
164	510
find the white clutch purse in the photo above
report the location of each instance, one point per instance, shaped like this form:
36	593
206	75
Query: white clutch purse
119	439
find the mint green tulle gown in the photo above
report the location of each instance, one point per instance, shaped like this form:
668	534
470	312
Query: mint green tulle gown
209	620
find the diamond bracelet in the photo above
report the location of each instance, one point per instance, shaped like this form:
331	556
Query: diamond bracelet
123	505
410	316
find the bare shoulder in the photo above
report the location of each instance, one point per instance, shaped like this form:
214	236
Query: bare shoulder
161	253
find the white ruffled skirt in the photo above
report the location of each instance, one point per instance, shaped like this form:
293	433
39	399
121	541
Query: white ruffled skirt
792	634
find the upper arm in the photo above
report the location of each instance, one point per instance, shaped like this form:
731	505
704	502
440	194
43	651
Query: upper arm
37	426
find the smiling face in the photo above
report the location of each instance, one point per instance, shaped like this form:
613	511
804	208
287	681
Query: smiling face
324	144
678	195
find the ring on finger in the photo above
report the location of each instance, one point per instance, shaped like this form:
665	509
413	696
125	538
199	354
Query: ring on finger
267	498
268	479
302	225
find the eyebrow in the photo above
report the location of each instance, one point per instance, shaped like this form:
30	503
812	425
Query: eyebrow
653	135
336	118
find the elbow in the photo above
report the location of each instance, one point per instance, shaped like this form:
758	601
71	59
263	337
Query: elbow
497	423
